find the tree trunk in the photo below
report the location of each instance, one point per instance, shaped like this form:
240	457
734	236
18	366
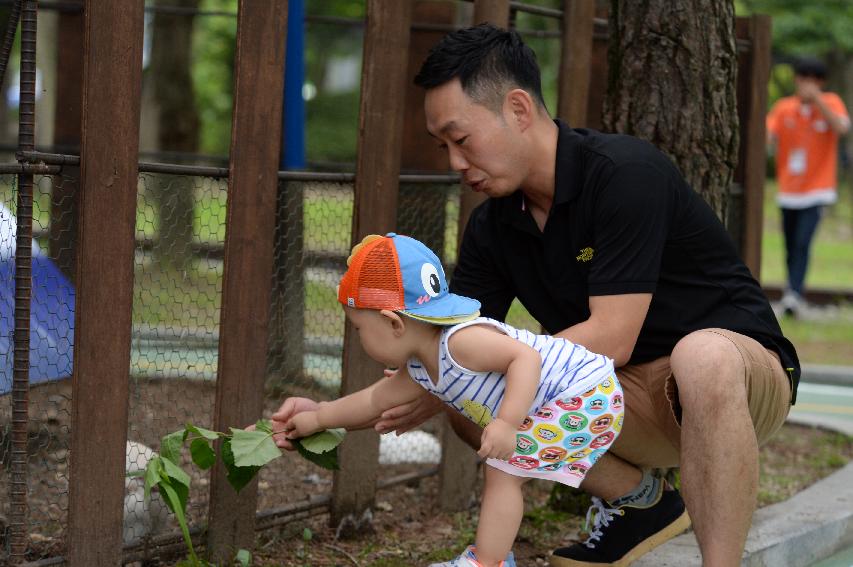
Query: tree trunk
178	129
672	71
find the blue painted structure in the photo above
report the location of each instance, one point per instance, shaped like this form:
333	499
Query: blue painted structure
293	117
51	313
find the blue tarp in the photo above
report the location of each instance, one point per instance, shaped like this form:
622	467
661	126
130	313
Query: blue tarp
51	313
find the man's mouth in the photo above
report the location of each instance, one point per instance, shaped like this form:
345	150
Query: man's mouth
477	186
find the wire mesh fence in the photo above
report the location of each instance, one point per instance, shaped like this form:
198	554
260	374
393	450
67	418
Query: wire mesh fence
178	270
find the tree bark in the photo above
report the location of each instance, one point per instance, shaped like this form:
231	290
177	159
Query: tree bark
672	81
178	129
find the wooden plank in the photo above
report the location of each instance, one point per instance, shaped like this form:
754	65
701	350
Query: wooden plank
497	13
576	61
108	173
64	208
247	278
385	60
755	142
422	207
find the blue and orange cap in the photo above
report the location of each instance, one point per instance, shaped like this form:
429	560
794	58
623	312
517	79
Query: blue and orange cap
399	273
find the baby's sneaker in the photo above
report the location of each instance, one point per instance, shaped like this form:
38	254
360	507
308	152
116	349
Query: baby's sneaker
468	559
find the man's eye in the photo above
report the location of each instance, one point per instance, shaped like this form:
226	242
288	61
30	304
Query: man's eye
461	140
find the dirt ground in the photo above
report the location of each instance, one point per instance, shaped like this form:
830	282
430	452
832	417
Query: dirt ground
408	529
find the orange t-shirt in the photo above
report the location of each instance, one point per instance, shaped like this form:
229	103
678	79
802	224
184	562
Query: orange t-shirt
806	151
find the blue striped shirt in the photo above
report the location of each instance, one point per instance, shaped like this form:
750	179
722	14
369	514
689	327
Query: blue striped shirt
567	370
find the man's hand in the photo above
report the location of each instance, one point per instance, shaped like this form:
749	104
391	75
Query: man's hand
498	441
408	416
285	413
808	90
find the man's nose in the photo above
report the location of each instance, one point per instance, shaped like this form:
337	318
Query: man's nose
457	160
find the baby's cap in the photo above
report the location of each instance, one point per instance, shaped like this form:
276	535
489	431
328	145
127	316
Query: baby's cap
399	273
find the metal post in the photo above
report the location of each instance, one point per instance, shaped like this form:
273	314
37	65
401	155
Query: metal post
23	292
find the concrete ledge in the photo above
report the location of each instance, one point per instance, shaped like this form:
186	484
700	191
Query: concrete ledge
826	374
806	528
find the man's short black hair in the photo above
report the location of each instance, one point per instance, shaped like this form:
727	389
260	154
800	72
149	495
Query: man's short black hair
810	67
487	60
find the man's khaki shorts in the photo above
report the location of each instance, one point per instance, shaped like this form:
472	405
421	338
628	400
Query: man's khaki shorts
651	435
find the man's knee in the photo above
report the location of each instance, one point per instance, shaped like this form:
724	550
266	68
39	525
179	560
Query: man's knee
708	369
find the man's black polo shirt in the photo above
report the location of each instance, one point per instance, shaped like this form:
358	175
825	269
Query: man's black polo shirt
623	220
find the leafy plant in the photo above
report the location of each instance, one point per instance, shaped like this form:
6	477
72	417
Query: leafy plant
243	453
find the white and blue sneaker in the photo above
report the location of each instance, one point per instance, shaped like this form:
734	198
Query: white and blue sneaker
468	559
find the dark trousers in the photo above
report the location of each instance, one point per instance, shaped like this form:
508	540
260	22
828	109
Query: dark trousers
799	226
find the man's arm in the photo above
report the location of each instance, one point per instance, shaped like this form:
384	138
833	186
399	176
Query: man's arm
613	326
810	91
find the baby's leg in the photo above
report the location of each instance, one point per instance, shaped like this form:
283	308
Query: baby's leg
500	516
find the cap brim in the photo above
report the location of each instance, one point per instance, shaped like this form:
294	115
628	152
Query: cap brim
449	310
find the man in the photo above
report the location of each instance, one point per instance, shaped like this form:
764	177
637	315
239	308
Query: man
805	128
605	244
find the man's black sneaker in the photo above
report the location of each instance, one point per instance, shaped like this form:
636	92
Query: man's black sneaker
618	536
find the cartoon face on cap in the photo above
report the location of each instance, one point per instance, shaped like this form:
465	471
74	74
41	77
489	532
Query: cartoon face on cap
616	403
548	433
596	404
526	424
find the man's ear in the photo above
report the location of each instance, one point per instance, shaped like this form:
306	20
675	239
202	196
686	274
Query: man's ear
521	107
396	322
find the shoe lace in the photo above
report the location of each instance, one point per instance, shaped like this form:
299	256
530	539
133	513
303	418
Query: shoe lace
600	515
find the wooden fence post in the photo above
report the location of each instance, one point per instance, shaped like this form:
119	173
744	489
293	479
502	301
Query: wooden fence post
112	81
386	43
247	278
755	72
576	61
458	469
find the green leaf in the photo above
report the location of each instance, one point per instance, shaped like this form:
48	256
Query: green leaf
203	455
327	460
307	534
171	444
173	501
238	477
134	474
253	448
323	441
202	432
176	473
243	557
152	475
264	425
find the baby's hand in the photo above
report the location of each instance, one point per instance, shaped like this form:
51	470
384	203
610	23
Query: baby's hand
302	425
498	440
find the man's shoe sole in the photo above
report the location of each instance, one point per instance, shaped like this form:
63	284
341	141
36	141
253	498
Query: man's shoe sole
675	528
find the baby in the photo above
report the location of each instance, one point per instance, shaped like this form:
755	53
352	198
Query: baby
549	408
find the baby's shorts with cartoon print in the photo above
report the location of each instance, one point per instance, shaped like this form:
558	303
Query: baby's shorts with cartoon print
568	434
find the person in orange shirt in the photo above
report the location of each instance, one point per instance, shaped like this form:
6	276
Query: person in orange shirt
805	129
